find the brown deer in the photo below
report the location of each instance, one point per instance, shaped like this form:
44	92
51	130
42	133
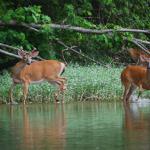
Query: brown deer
134	76
135	55
26	72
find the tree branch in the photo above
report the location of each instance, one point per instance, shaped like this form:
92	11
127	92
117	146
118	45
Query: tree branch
35	27
13	55
139	40
95	31
14	48
9	54
8	46
79	53
29	27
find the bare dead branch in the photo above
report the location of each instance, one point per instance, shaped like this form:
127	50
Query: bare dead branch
79	53
12	55
36	27
95	31
8	46
145	42
9	54
14	48
29	27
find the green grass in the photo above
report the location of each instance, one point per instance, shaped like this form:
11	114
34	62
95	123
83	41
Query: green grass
84	83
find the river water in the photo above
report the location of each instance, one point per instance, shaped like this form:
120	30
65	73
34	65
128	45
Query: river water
75	126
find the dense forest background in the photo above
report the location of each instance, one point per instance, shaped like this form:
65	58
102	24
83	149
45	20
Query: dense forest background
89	14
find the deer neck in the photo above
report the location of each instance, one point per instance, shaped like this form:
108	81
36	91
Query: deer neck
18	68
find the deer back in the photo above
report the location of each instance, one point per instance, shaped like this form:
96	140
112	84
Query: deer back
42	70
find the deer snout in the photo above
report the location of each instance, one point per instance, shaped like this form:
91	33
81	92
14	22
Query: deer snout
28	63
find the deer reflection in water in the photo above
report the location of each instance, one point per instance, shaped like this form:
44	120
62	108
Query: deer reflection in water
136	127
42	129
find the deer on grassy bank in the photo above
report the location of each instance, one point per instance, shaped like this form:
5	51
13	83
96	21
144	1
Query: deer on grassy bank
135	55
26	72
134	76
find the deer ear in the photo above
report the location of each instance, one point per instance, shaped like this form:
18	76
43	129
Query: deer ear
34	53
21	53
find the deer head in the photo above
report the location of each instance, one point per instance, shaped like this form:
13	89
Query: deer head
145	61
27	56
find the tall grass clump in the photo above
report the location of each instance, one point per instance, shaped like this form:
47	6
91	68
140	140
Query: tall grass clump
93	83
84	83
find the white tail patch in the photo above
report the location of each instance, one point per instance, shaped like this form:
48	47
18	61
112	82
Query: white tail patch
62	68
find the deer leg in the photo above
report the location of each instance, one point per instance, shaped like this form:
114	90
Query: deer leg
126	91
11	93
11	101
56	94
25	92
140	92
60	91
62	87
63	81
63	78
131	90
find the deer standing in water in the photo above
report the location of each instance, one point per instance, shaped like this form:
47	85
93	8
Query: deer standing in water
134	76
26	72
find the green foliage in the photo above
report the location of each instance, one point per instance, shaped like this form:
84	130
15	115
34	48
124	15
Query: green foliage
26	14
95	14
74	19
22	37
